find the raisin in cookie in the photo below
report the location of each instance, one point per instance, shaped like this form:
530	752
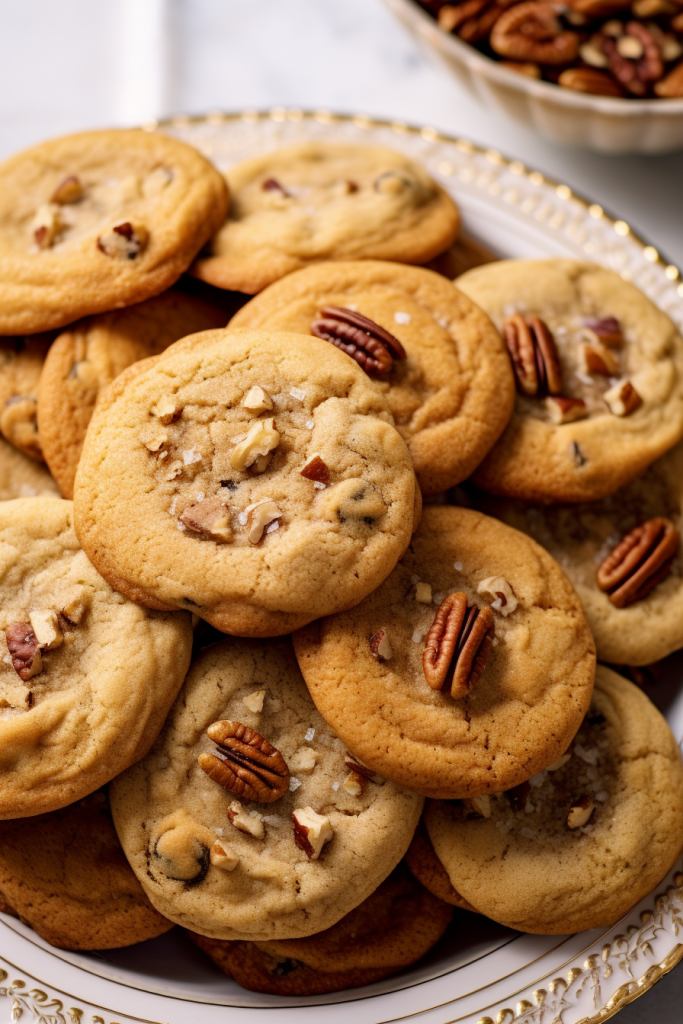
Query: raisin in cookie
248	820
21	364
86	677
21	477
600	378
252	477
99	220
65	874
90	354
392	929
469	670
585	840
623	556
320	201
449	385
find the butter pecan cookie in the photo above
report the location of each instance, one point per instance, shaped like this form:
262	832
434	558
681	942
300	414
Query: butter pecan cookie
21	364
599	374
622	555
248	820
65	874
467	671
582	842
252	477
21	477
321	201
99	220
90	354
392	929
86	677
447	381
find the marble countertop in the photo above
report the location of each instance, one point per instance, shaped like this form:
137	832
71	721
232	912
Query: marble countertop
79	64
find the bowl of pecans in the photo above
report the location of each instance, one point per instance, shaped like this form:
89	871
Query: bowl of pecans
605	75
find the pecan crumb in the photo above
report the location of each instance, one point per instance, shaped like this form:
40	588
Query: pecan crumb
244	821
223	856
502	594
579	814
317	470
257	400
46	628
123	241
210	518
380	645
259	516
69	191
622	399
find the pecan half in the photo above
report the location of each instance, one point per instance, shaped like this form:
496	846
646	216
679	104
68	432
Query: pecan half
250	767
634	58
535	361
457	645
373	348
24	650
589	80
473	19
532	31
641	561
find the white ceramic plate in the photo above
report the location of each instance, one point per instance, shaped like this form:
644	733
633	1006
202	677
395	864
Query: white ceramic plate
480	973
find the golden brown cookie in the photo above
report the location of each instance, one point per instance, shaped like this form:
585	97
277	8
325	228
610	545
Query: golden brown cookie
600	379
97	221
86	677
585	840
252	477
451	390
65	874
90	354
635	611
429	870
245	820
456	696
322	201
392	929
21	364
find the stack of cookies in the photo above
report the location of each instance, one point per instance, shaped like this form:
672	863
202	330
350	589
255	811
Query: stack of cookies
251	687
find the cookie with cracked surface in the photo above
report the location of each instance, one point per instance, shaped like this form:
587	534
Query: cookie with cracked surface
321	201
21	365
584	842
209	826
649	625
252	477
65	874
469	670
393	928
451	391
429	870
86	358
21	477
600	386
100	220
86	677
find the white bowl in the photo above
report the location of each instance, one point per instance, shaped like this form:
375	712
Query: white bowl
570	118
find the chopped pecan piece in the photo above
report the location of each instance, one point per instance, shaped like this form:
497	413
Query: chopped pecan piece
356	768
535	361
641	561
566	410
69	191
273	185
223	856
257	400
579	815
24	650
622	399
354	784
259	516
373	348
380	645
250	767
46	628
316	469
502	595
249	822
124	241
311	831
607	329
457	645
210	518
598	359
531	31
47	225
262	439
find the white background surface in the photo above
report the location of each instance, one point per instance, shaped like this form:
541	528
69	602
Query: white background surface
73	64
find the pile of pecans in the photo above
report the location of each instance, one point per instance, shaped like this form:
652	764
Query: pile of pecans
625	48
